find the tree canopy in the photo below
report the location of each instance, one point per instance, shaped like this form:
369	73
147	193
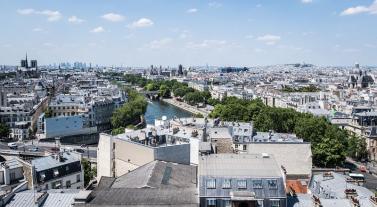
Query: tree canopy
4	130
131	111
329	143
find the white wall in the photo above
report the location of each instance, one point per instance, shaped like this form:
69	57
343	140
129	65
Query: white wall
104	156
72	178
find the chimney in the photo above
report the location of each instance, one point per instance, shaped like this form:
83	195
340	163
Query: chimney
316	201
355	202
41	199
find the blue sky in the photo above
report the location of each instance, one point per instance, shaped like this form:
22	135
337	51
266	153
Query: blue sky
190	32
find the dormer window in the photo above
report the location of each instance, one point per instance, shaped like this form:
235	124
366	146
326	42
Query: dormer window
241	184
43	176
211	183
56	172
272	184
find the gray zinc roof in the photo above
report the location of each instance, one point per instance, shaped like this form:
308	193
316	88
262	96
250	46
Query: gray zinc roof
48	162
239	165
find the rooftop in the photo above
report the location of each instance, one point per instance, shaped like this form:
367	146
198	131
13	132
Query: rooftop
239	165
49	162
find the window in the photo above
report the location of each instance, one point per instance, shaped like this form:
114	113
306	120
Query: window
236	146
211	202
43	176
46	187
78	178
244	147
12	176
57	184
211	183
257	184
272	184
56	172
68	184
227	203
226	183
275	203
241	184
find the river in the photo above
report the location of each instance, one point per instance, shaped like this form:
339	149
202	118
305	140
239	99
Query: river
157	109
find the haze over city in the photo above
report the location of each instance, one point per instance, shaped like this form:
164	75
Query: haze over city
188	103
145	32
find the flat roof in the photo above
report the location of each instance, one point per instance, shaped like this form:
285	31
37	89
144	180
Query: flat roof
239	165
49	162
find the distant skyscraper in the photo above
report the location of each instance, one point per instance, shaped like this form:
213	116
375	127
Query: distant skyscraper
357	65
180	70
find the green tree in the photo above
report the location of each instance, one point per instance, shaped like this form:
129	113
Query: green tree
179	92
357	148
48	112
164	91
119	130
193	98
89	173
4	130
131	111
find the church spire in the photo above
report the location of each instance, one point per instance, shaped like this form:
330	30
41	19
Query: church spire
26	61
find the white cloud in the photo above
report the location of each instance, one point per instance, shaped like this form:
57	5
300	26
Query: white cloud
369	45
269	39
249	36
37	29
350	50
307	1
51	15
75	20
207	44
48	44
184	34
98	30
214	4
371	9
113	17
158	44
26	11
193	10
143	22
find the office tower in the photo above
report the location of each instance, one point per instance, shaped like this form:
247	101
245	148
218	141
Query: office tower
180	70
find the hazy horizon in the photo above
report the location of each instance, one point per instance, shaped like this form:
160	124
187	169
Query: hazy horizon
219	33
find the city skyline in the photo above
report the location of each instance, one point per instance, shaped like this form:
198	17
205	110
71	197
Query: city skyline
141	33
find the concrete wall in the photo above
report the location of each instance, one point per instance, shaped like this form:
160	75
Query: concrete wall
105	156
133	153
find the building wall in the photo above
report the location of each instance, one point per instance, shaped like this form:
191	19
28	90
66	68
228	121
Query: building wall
122	167
174	153
75	184
105	156
66	126
133	153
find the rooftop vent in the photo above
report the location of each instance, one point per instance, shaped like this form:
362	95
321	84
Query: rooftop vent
265	155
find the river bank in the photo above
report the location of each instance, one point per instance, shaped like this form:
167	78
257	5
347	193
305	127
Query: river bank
187	107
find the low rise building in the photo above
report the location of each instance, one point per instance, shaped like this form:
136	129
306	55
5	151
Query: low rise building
117	155
58	171
241	180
